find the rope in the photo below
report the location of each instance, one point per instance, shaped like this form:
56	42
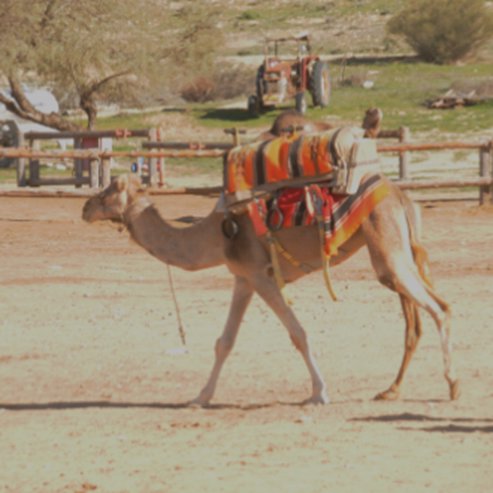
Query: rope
277	267
328	282
181	330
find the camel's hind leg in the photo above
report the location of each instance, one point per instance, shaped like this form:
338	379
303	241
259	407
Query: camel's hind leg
393	255
406	281
242	295
413	334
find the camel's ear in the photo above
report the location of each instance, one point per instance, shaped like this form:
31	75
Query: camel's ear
134	184
121	183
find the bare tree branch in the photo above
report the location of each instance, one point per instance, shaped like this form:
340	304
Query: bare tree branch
20	106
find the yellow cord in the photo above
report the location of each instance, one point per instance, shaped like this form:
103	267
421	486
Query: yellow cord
276	266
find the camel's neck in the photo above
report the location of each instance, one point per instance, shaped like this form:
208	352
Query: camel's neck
191	248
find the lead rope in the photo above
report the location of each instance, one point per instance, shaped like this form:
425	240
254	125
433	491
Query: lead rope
181	330
314	202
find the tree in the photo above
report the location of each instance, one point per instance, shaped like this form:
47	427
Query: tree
444	31
93	49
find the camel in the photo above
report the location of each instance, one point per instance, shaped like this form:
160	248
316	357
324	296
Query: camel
390	233
290	121
293	121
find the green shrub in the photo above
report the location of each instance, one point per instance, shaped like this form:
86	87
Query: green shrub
250	15
223	81
444	31
199	90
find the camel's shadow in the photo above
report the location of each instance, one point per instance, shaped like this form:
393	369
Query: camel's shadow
69	405
443	424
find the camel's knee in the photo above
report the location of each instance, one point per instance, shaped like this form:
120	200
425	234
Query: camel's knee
388	280
299	340
223	346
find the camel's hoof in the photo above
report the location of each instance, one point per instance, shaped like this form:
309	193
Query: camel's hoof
198	403
387	395
454	390
318	400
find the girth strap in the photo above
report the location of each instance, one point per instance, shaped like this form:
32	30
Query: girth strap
307	269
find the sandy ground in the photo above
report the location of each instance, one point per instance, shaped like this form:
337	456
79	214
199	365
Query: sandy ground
94	380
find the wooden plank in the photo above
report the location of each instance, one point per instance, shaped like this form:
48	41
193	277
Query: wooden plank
106	172
33	173
433	146
96	154
404	137
117	134
486	171
94	172
187	145
424	184
21	163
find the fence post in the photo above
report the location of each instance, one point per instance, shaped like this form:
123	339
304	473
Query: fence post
161	162
404	137
78	163
21	163
106	172
94	170
153	162
486	171
34	173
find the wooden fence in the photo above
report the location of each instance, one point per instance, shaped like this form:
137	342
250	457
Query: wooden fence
99	162
88	139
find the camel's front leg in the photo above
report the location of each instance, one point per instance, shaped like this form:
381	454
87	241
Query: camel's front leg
242	295
268	290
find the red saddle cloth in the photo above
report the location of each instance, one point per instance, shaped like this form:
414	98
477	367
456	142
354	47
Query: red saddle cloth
342	214
277	161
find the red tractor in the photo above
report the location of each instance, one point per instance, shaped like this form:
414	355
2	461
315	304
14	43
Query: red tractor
281	78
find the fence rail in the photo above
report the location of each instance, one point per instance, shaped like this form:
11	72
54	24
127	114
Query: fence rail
99	161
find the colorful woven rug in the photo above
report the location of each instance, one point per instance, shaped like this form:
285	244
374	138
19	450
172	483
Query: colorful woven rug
342	214
297	160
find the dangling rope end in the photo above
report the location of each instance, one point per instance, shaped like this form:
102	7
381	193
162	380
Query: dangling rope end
328	282
276	267
181	329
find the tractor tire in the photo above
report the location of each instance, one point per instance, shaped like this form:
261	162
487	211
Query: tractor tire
253	106
300	103
320	86
260	87
9	137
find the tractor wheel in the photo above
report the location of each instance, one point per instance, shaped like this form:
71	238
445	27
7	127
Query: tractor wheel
320	84
253	106
300	102
260	86
9	137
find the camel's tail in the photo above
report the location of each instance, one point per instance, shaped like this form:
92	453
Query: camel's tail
420	255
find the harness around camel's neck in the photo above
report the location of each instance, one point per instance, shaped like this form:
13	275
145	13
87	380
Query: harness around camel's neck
135	207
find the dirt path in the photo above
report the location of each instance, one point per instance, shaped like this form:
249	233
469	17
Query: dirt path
94	379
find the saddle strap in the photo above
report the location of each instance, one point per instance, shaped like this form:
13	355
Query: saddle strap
315	202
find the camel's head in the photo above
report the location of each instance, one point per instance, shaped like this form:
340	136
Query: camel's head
372	122
111	203
292	121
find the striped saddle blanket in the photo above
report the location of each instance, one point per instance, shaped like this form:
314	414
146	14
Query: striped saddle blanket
339	157
342	215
